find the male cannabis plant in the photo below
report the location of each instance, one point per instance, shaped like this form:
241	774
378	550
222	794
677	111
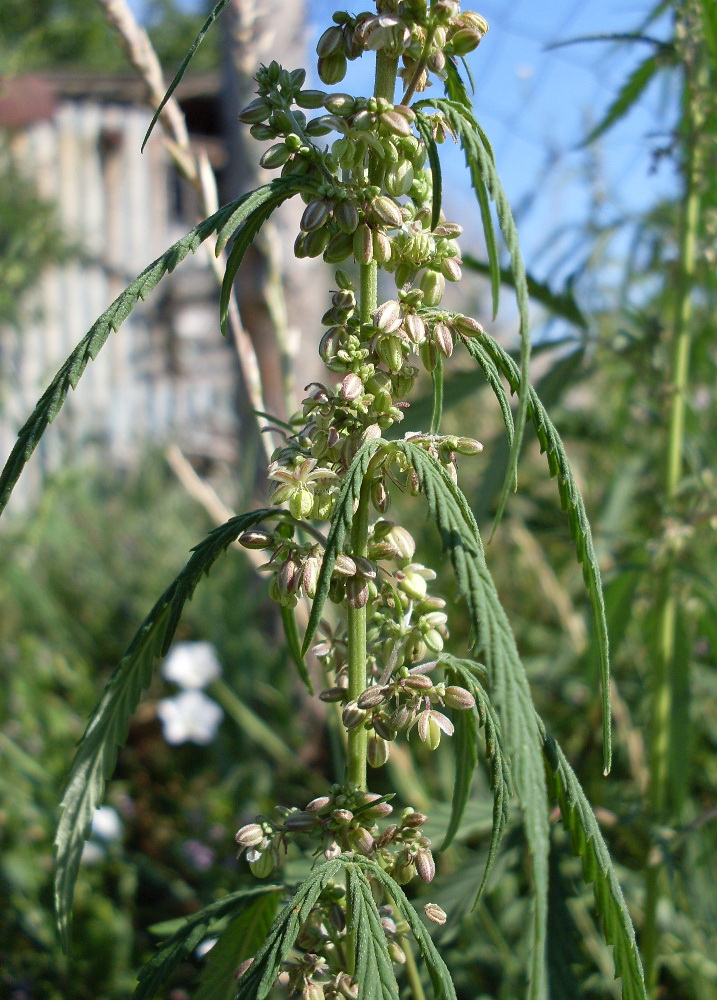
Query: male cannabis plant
373	204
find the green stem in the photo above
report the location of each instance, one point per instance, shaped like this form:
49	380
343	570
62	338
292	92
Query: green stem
437	378
663	679
412	974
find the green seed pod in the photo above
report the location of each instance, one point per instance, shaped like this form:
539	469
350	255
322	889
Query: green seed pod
398	178
451	268
463	42
363	244
433	640
395	123
311	99
263	866
318	127
316	214
433	736
297	166
346	214
262	132
301	503
256	112
386	212
377	751
323	506
390	352
329	43
340	104
405	272
467	326
332	68
316	242
468	446
429	355
433	285
443	339
404	873
339	247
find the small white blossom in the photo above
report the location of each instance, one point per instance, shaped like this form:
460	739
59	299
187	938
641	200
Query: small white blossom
192	665
106	824
189	717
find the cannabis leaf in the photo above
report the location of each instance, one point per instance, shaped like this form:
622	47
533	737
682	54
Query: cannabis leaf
484	176
340	524
467	673
508	682
191	933
108	725
374	968
588	844
438	973
241	939
423	127
257	981
226	221
185	62
571	501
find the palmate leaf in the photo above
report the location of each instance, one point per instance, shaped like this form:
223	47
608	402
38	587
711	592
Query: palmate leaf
481	163
241	939
438	973
257	981
467	673
340	526
509	684
185	62
588	844
191	933
225	221
109	723
373	965
571	501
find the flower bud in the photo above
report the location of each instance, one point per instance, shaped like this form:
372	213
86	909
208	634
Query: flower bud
315	215
301	503
401	717
361	840
316	242
250	835
339	247
351	387
316	805
352	716
399	178
443	339
433	285
313	991
372	697
451	268
244	967
357	592
380	497
395	123
299	822
263	866
387	317
415	328
403	873
434	913
378	750
413	820
396	952
425	865
429	355
340	104
386	212
459	697
346	216
342	816
402	541
311	99
256	539
256	112
463	42
332	69
382	726
467	326
275	156
344	565
363	244
330	42
310	575
386	837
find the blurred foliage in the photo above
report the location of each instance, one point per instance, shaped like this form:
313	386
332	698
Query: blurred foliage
73	34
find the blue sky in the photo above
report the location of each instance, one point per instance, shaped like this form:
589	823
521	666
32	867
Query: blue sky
535	106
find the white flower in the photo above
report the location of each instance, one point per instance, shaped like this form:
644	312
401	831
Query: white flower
106	824
192	665
189	717
204	947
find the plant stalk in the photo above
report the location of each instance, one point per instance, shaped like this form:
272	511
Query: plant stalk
663	680
412	974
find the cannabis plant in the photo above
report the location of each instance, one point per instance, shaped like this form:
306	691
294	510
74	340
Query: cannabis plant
374	620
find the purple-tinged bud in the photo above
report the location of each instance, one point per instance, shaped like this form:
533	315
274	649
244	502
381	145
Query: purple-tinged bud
342	815
386	211
458	697
352	716
316	805
396	952
372	697
417	682
386	837
250	835
434	913
401	717
256	539
381	246
443	338
449	230
413	820
451	268
310	575
315	215
365	568
351	387
387	317
415	328
380	497
299	822
357	592
425	866
382	726
395	123
379	811
467	326
344	565
334	694
361	840
330	42
332	850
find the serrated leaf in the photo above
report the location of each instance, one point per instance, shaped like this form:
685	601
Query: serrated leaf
241	939
438	973
185	62
627	96
572	502
291	632
107	729
560	304
588	844
455	88
508	682
373	965
465	752
191	933
257	981
340	524
265	201
89	347
434	160
468	674
481	164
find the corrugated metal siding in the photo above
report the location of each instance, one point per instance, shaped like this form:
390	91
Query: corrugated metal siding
167	374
